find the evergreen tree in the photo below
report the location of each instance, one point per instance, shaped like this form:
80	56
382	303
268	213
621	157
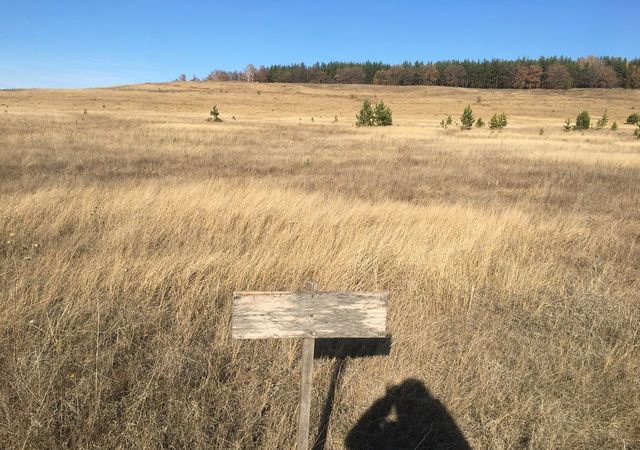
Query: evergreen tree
602	122
633	119
446	122
583	121
503	120
466	119
365	116
382	115
214	114
498	121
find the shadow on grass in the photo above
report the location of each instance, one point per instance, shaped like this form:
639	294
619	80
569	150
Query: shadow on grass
341	349
407	417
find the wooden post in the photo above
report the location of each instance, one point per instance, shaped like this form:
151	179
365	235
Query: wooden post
306	380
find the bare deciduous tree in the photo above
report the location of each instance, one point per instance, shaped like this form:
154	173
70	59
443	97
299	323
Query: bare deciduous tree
350	75
527	77
429	75
556	76
218	75
250	73
595	73
455	75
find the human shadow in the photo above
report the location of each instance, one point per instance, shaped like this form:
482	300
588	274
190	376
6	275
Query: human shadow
342	349
407	417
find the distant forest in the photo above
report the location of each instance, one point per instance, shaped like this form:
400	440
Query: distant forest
546	73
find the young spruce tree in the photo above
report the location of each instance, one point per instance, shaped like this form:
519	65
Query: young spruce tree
365	117
498	121
214	114
583	121
382	115
602	122
378	116
633	119
466	119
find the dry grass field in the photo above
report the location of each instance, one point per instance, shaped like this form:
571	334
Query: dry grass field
512	258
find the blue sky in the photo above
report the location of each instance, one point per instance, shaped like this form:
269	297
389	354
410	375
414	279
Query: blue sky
85	43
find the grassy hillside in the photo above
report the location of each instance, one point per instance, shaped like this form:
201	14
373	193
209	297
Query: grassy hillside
512	258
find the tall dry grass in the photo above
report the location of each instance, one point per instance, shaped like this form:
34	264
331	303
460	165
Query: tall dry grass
512	261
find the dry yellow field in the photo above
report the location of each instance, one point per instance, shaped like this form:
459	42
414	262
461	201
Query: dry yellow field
512	258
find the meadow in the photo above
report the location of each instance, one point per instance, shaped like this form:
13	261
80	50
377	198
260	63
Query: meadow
127	220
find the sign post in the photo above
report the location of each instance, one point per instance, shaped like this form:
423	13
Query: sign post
308	315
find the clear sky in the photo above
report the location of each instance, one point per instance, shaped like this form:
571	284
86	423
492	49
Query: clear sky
89	43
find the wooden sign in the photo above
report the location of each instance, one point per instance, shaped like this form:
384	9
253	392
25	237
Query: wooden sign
260	315
309	315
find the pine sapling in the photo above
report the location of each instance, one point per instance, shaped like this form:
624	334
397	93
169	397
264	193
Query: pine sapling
214	114
498	121
466	119
633	119
603	121
382	115
365	117
583	121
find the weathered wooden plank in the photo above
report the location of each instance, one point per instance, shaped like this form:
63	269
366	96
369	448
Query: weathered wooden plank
258	315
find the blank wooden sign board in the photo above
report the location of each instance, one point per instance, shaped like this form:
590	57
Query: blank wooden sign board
308	315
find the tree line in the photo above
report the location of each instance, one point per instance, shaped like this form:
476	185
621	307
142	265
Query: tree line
545	72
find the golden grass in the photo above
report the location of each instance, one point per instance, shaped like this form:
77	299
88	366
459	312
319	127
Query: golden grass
513	261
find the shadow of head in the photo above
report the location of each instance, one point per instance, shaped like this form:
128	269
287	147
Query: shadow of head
407	417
